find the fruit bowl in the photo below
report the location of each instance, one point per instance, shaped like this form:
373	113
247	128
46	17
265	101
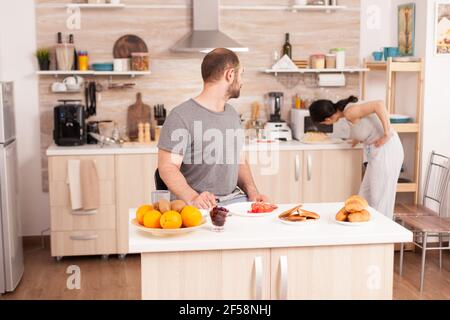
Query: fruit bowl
166	232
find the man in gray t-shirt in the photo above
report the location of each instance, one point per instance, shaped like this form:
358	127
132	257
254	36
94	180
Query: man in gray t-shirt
200	154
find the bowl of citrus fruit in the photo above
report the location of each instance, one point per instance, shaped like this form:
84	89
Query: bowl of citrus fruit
165	218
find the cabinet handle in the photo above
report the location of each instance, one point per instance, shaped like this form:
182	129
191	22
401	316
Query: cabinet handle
284	277
84	238
258	277
297	167
84	212
308	167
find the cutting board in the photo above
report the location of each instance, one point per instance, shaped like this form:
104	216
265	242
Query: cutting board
126	45
137	113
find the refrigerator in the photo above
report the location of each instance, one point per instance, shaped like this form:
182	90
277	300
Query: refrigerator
11	250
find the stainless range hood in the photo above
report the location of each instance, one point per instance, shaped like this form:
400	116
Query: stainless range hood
206	35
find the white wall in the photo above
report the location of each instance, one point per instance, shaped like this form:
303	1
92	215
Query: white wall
375	34
17	63
436	122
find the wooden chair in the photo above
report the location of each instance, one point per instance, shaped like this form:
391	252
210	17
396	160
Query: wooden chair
425	222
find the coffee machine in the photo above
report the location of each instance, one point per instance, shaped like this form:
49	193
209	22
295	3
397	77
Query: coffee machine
276	128
69	123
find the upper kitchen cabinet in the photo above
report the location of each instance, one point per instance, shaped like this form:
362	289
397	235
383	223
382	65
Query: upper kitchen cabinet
331	175
277	174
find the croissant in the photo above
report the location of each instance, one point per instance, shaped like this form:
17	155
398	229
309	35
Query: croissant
356	204
362	216
342	215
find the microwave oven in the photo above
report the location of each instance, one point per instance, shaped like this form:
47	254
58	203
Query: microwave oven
301	123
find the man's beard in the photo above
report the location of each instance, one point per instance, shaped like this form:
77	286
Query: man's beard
234	90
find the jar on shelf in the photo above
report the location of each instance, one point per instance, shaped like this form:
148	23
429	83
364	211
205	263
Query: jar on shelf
140	61
83	61
330	61
340	57
317	61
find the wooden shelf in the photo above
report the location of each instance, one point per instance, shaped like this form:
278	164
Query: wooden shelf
407	187
57	73
101	6
395	66
95	5
307	70
392	69
317	8
406	127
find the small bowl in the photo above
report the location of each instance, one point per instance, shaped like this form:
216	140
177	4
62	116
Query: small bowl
378	55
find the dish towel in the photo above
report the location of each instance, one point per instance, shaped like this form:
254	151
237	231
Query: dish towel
73	179
90	190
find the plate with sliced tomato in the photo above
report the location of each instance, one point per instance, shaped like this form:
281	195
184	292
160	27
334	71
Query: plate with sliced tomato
252	209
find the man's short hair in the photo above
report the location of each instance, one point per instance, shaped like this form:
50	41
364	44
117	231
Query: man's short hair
216	62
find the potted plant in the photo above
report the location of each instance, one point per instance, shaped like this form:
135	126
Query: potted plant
43	56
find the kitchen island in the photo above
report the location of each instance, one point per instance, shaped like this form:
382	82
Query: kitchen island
262	258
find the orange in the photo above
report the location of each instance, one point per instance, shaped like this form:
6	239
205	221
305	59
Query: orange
151	219
171	220
142	211
191	216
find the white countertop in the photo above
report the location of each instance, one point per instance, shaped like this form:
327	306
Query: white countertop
55	150
268	232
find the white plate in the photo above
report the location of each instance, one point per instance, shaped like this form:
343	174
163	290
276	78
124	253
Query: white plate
306	223
166	232
328	141
353	224
241	209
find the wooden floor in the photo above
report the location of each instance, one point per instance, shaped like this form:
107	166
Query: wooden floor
45	278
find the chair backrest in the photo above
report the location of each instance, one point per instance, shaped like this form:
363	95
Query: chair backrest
437	180
159	183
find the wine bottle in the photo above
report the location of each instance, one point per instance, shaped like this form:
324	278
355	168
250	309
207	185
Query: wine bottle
58	50
287	48
75	55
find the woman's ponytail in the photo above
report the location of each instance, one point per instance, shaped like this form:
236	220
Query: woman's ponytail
320	110
341	104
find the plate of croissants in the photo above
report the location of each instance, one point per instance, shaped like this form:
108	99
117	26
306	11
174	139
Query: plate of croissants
354	213
298	217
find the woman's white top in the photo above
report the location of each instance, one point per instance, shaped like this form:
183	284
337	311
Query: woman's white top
367	130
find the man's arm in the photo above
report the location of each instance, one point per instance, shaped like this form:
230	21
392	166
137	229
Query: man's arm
246	182
169	165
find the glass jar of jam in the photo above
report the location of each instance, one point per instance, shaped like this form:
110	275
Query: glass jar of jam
218	218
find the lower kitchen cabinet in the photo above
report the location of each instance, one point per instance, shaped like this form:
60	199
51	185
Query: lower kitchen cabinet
80	232
134	185
338	272
307	176
205	275
125	181
81	243
331	175
277	174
